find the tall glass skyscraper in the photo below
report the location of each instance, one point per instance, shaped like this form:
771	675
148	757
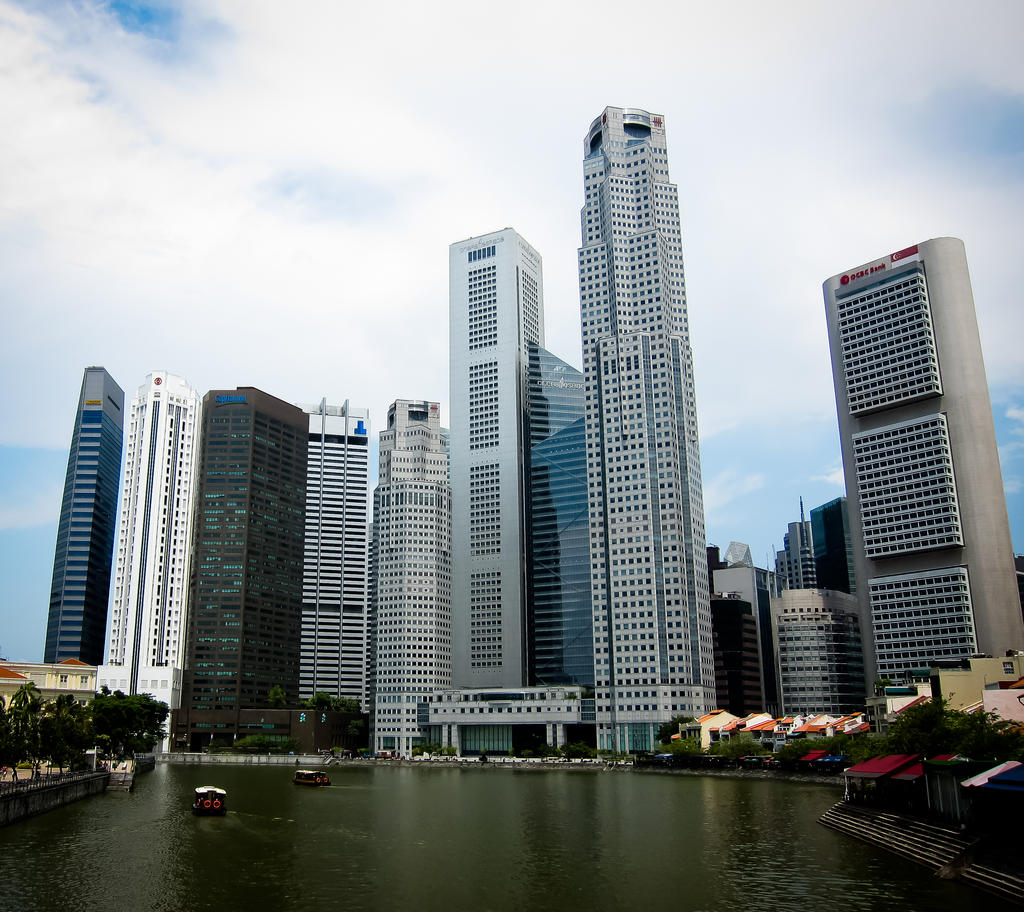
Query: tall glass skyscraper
245	598
559	619
146	643
833	546
652	623
77	621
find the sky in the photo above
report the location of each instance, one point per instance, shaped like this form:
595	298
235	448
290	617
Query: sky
247	192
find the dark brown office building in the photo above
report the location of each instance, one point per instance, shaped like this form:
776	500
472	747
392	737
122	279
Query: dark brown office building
246	583
737	666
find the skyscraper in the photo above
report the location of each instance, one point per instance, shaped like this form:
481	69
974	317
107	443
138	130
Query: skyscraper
77	619
652	624
833	546
931	539
148	620
758	587
795	562
245	599
560	623
496	312
820	654
334	587
412	619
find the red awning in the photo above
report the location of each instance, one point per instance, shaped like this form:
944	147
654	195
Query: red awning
877	767
815	755
912	772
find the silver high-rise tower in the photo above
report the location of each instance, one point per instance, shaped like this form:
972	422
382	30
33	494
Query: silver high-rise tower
931	538
652	624
148	621
497	311
411	599
334	575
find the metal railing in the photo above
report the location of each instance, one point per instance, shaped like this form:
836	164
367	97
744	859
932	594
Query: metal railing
28	784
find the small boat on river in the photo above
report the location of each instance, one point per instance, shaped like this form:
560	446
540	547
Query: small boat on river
314	778
210	801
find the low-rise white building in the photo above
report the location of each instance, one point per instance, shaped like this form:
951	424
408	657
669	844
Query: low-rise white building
508	720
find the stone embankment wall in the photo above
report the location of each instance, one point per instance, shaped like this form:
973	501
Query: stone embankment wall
44	795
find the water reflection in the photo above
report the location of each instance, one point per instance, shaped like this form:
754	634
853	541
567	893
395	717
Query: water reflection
450	839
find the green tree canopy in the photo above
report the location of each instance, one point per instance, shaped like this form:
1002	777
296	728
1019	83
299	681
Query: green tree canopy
931	728
578	749
265	744
64	732
277	698
127	725
324	701
684	746
23	714
742	745
667	729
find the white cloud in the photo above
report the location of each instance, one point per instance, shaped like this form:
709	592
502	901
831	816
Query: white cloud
833	476
268	197
728	485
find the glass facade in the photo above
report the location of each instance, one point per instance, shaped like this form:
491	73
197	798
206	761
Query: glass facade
833	547
77	622
558	554
246	595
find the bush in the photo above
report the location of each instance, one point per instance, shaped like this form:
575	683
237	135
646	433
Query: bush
579	749
264	744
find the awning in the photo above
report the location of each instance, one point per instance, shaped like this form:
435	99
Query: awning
814	755
877	767
912	772
982	778
1011	780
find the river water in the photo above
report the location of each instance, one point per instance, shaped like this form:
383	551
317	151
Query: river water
388	837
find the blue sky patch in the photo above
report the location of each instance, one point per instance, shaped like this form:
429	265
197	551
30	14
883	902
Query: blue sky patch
154	20
976	123
324	194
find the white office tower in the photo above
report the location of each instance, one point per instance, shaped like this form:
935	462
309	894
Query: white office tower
148	624
412	518
931	538
652	621
335	599
497	308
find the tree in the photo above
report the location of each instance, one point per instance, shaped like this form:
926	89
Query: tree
276	697
667	729
64	732
579	749
932	728
265	744
322	702
9	753
742	745
685	746
23	713
127	725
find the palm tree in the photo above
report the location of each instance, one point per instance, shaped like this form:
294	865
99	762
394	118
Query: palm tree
23	714
63	731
